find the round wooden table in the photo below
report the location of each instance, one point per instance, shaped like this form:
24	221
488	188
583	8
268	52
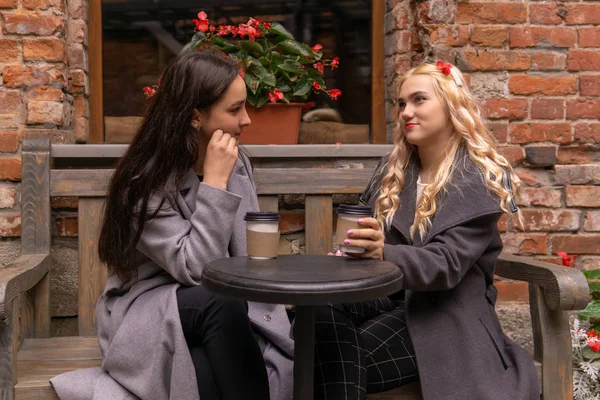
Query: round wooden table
304	281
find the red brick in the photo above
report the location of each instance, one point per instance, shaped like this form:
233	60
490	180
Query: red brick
47	49
541	155
64	202
577	155
549	61
589	85
546	14
583	14
10	102
502	223
8	196
435	11
66	226
583	108
589	37
576	244
491	13
80	106
512	291
544	197
496	60
33	75
81	130
9	141
489	36
45	93
402	40
29	23
10	224
525	243
540	220
583	196
57	5
10	169
547	108
535	177
514	154
450	35
9	51
76	31
587	132
78	9
583	60
9	121
42	112
291	221
588	262
506	108
540	132
547	85
8	3
592	221
542	37
76	56
588	174
499	130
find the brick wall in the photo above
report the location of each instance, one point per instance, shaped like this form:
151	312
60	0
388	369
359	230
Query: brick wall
535	66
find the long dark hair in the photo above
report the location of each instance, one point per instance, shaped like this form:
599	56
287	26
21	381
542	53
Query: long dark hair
163	150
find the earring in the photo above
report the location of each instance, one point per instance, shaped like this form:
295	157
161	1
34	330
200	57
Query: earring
196	125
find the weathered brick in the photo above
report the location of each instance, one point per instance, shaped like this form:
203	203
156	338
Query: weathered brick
583	60
45	93
587	132
81	129
542	37
541	156
547	85
548	61
76	31
512	291
66	226
57	136
9	51
489	36
64	202
592	221
80	106
589	85
589	37
450	35
401	41
582	196
76	56
10	224
588	262
547	108
8	196
9	121
57	5
9	141
42	112
10	101
491	13
33	75
525	243
546	14
583	108
30	23
436	11
576	244
577	155
543	196
499	130
540	220
582	14
538	177
47	49
10	168
514	154
489	85
541	132
78	9
506	108
588	174
495	60
8	3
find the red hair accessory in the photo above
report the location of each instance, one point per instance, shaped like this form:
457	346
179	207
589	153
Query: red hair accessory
448	70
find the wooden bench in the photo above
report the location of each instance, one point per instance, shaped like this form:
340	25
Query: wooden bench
29	356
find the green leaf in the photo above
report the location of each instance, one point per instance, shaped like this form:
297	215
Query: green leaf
291	66
277	58
269	79
251	99
594	287
240	55
590	355
257	69
278	29
284	88
252	47
592	273
302	88
291	46
252	82
591	311
261	99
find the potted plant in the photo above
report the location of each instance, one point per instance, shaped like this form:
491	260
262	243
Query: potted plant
280	74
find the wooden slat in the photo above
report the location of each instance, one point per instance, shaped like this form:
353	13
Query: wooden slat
319	224
60	348
26	316
96	98
378	117
92	272
268	203
42	307
7	356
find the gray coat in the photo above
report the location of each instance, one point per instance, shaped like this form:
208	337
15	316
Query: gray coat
460	348
144	351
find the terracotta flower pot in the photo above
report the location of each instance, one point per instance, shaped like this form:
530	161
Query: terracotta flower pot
273	123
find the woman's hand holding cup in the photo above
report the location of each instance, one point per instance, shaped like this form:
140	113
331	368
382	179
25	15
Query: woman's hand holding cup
370	238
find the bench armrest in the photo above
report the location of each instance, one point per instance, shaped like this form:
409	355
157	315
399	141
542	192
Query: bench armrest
564	288
19	276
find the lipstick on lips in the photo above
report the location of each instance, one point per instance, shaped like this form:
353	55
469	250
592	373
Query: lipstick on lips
410	125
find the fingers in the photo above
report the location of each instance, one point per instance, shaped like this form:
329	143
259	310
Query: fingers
217	136
363	243
370	223
365	234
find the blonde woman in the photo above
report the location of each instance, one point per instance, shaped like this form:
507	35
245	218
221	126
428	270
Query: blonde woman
437	199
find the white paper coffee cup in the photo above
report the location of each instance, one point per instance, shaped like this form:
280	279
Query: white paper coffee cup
262	235
348	216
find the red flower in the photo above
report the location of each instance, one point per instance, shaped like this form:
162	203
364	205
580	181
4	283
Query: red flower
445	68
253	22
253	33
334	93
335	62
592	334
149	92
317	47
202	16
566	259
267	25
319	67
201	22
275	95
594	345
316	85
309	105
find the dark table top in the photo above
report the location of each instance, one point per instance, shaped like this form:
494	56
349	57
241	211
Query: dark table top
303	279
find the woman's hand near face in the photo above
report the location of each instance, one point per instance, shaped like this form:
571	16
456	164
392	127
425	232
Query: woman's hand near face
370	238
221	156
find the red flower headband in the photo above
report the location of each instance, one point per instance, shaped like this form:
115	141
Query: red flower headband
448	70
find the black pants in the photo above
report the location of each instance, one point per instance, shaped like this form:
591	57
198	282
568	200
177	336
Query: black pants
362	347
228	361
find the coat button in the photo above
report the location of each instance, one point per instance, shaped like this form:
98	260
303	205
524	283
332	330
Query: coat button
267	318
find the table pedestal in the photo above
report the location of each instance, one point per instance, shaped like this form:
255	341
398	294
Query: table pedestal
304	359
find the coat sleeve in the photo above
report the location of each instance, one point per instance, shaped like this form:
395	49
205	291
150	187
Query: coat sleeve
445	259
183	247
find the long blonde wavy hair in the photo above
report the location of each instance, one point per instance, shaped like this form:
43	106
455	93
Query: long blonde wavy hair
470	133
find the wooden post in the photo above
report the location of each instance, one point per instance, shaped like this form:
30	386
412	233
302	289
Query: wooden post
319	224
96	100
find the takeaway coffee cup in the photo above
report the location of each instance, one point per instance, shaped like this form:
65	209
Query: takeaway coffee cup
348	217
262	235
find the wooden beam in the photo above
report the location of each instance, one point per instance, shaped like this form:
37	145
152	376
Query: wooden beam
378	119
95	99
